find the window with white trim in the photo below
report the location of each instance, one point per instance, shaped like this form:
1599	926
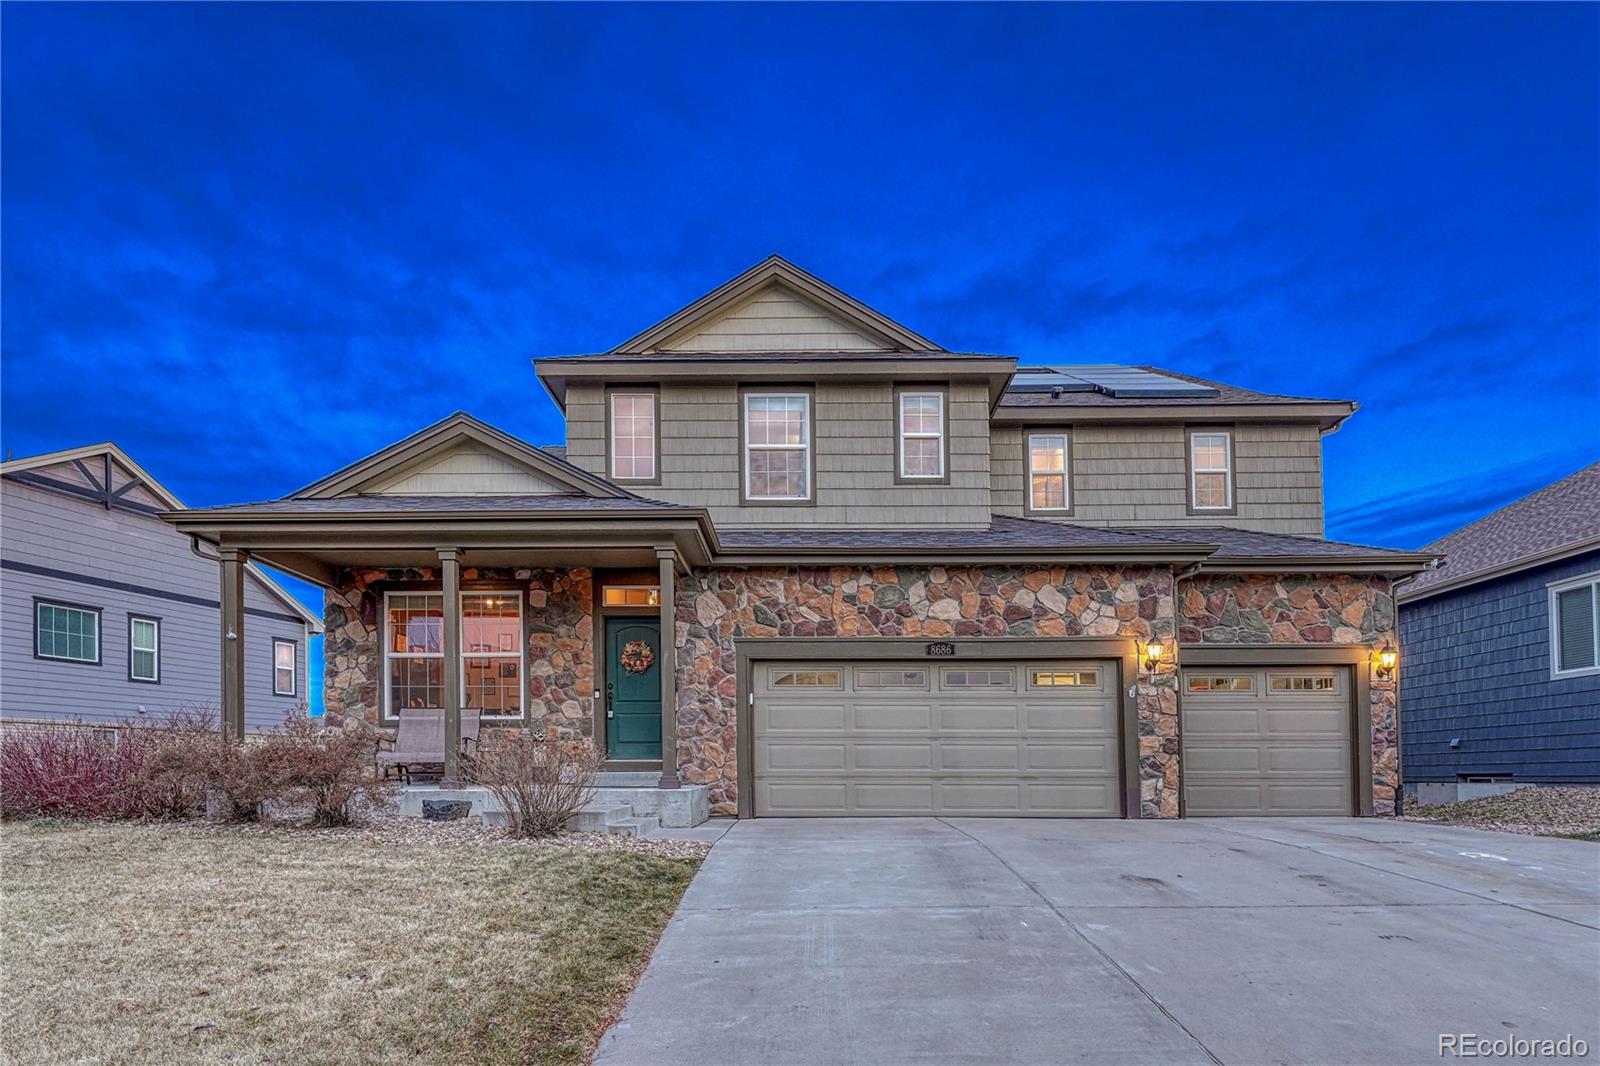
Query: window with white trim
285	672
1575	627
633	436
1211	470
1048	488
922	434
491	653
413	651
66	632
777	446
144	649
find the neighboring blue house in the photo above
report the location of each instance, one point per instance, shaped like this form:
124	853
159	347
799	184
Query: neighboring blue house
1499	645
107	612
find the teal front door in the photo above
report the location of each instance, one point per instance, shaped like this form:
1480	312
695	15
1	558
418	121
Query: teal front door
633	688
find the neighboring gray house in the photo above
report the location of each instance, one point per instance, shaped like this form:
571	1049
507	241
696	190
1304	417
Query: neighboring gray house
109	612
1499	643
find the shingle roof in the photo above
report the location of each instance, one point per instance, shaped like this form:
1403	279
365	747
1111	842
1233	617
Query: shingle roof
776	356
366	505
1226	394
1003	532
1249	543
1560	518
557	450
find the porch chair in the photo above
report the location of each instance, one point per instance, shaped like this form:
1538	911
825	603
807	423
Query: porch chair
419	740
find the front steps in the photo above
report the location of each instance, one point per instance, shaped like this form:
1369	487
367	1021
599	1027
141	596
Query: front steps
623	804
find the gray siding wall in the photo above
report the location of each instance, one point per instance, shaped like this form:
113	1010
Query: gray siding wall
1137	475
1475	664
52	530
855	457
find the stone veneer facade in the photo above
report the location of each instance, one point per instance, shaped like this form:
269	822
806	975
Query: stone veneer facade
719	606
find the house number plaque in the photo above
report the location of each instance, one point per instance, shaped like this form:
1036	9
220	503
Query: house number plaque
940	649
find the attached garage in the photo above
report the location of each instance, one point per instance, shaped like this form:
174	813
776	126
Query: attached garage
1273	740
958	737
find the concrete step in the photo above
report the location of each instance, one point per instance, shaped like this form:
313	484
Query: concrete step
627	778
617	819
644	801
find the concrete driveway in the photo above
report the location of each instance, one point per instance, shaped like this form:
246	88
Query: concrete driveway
879	941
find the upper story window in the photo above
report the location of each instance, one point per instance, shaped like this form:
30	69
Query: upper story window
66	631
921	414
1048	487
1575	627
1211	470
634	454
284	667
144	649
777	446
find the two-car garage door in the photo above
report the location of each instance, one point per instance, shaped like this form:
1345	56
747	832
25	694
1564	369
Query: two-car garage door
958	738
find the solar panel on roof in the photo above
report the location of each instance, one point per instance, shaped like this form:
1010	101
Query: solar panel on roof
1045	379
1131	382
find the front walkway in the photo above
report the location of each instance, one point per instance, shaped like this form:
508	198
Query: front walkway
881	941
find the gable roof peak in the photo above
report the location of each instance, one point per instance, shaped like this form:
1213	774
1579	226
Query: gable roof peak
770	272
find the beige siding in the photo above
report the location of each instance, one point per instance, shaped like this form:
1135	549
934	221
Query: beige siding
472	470
1137	476
855	457
775	319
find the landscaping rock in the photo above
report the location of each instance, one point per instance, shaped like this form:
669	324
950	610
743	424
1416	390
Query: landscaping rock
445	810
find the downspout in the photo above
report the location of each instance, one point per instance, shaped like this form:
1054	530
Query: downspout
194	546
1399	749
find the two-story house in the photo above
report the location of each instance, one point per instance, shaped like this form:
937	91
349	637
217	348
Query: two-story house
110	614
868	575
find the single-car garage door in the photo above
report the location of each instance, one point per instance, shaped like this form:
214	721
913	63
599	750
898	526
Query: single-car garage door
1267	741
957	738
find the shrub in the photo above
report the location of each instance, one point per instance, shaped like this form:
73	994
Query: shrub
178	755
540	782
68	770
329	770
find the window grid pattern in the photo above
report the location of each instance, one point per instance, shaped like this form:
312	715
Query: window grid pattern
1066	679
979	679
805	679
144	649
777	447
491	653
922	435
866	679
632	596
71	633
415	651
1301	683
633	436
1221	683
1211	471
1047	472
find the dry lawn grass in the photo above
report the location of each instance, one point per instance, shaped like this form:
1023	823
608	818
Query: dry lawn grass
155	944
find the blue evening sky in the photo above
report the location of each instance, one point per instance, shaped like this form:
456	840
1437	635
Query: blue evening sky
251	243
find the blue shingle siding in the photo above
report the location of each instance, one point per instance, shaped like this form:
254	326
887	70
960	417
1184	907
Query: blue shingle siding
1476	665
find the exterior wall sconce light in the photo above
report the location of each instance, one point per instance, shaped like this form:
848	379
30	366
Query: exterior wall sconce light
1384	660
1150	656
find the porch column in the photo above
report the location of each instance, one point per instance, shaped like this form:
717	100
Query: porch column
232	641
450	570
668	558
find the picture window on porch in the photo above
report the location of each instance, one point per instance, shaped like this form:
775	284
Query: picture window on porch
491	652
632	596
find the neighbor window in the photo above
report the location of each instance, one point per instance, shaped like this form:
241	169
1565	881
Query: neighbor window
633	436
63	631
491	653
284	654
922	435
144	649
1575	627
1047	472
777	446
1211	470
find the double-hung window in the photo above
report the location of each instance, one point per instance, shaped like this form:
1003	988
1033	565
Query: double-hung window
634	454
144	649
67	632
921	435
285	667
1049	487
777	447
1211	470
491	667
1575	627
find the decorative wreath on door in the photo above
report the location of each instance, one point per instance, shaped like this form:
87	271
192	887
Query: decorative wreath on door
637	655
